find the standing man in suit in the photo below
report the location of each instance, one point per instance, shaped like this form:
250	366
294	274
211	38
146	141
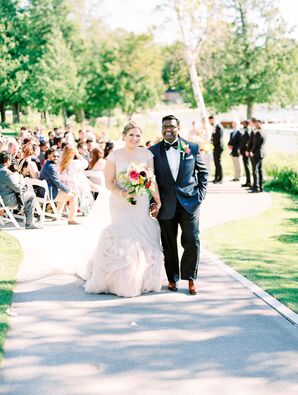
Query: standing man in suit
13	193
244	140
257	154
182	177
234	145
217	141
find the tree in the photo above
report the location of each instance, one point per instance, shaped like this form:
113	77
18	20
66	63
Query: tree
52	81
194	22
12	56
125	75
258	63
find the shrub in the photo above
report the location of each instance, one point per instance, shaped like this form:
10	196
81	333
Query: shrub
283	172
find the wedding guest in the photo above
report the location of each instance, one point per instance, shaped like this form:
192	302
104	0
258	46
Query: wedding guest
90	145
97	165
244	140
204	143
43	149
59	192
13	148
193	133
82	137
12	192
27	167
71	174
257	154
82	148
234	146
35	156
218	147
108	148
51	138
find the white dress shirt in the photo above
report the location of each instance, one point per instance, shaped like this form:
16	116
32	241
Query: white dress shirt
173	156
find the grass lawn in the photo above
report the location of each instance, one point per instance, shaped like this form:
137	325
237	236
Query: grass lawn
10	257
263	248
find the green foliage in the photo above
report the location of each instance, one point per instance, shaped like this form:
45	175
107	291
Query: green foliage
263	248
126	75
10	258
283	172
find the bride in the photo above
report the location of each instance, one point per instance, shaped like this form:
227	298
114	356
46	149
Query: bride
128	259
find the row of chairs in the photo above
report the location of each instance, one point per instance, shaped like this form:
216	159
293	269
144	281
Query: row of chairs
40	207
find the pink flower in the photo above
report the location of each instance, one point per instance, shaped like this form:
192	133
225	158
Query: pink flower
187	151
134	175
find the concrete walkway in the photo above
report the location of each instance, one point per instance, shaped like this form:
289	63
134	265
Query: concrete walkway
223	341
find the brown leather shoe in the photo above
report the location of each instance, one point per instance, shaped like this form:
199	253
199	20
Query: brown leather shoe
172	287
192	288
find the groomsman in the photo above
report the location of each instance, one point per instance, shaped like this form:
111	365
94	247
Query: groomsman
244	140
234	144
257	153
217	141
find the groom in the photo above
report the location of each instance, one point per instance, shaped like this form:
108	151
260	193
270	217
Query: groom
182	177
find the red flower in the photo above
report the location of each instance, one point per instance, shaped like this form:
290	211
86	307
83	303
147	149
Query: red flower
148	184
134	175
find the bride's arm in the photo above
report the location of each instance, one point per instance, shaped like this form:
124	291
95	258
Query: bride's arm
110	180
156	205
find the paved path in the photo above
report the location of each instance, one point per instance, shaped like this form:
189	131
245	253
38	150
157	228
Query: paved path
223	341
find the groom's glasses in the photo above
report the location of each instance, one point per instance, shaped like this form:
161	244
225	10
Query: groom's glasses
172	127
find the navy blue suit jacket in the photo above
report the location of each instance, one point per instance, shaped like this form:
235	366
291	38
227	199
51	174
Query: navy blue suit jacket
49	173
189	188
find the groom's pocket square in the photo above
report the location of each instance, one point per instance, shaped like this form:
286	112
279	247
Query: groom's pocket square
189	157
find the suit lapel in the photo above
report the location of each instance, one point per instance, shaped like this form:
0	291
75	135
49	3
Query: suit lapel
181	166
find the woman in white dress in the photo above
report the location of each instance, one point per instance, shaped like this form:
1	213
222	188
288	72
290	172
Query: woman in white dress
128	259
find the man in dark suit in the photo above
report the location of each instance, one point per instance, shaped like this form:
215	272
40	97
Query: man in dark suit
217	141
234	144
244	141
182	177
257	153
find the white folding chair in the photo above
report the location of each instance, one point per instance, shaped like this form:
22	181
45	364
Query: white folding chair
42	202
8	215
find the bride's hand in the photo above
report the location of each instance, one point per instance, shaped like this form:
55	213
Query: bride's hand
127	194
154	209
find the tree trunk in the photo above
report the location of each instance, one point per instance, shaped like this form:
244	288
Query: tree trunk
80	115
191	62
65	118
16	113
2	112
249	109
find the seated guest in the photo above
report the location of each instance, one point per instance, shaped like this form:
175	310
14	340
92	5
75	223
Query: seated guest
27	167
13	193
97	165
82	148
71	173
14	150
43	149
58	191
108	148
51	138
82	137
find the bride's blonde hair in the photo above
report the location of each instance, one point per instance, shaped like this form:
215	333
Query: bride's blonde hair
130	125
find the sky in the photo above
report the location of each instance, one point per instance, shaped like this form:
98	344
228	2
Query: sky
138	15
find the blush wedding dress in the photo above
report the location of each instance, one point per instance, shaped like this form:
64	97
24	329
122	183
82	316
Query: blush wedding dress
128	258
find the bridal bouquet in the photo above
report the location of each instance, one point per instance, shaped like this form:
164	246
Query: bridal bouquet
138	180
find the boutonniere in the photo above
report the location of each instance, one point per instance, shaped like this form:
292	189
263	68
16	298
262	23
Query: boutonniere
184	148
